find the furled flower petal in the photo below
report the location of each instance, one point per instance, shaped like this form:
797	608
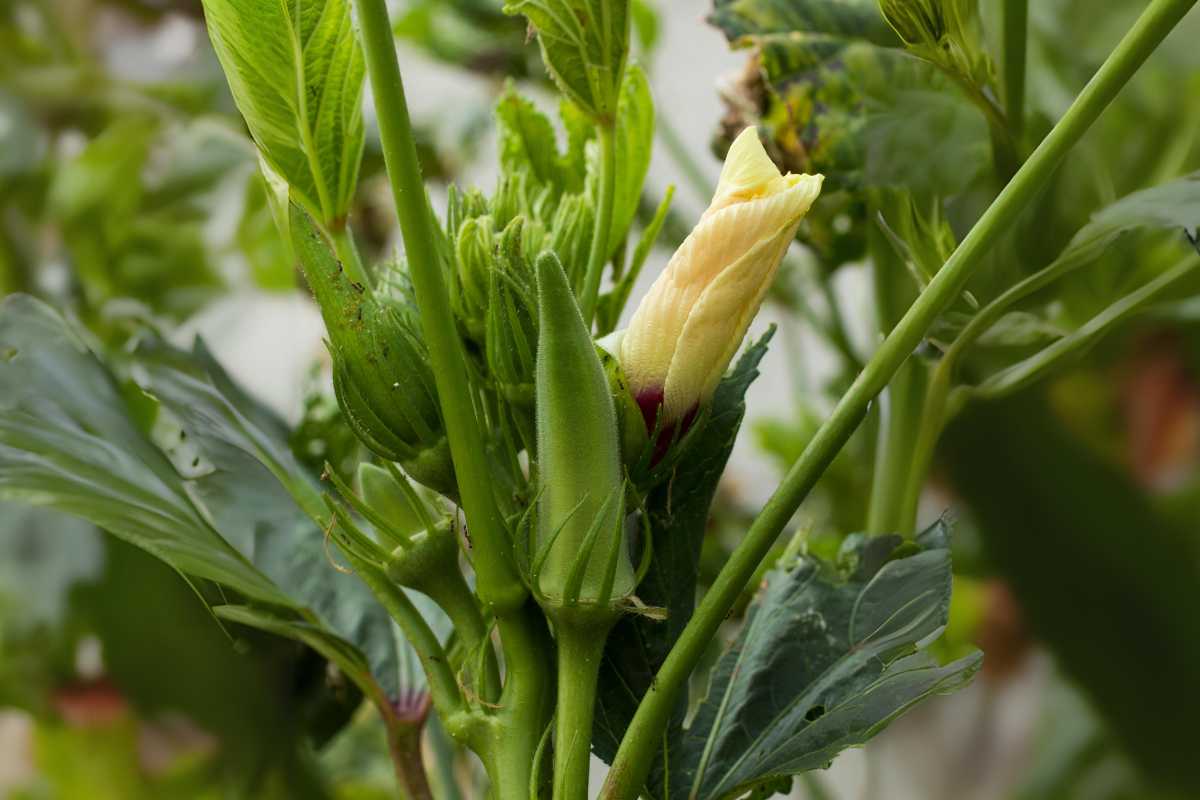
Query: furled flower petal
687	329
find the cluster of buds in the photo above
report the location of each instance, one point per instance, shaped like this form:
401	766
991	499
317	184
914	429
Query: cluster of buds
942	32
691	323
381	371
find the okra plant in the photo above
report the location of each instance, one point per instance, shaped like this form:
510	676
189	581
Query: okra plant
518	554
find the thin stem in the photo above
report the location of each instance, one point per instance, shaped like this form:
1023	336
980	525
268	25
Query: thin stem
1016	34
404	743
449	589
605	196
633	759
443	688
580	648
347	254
498	583
900	408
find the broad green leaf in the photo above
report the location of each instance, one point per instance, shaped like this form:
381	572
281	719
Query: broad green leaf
265	504
678	516
67	441
829	654
296	72
635	141
584	45
1104	580
43	555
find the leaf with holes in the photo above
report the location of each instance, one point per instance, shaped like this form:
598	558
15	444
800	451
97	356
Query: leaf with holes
828	656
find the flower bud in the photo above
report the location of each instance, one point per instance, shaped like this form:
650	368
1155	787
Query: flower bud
474	253
691	323
381	371
942	32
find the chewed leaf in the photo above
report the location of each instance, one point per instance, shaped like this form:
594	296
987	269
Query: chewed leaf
68	441
824	661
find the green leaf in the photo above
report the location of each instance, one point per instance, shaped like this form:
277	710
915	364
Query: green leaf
67	441
634	143
827	657
678	517
584	45
296	72
528	141
847	19
1103	579
264	503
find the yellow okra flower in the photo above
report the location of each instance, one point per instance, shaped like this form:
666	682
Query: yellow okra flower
691	323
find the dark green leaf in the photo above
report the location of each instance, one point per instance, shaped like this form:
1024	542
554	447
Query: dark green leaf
1103	579
265	504
827	657
678	515
67	441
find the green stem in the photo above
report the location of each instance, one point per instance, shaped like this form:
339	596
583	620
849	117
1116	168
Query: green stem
580	647
633	759
450	591
443	687
899	419
606	195
347	254
933	419
523	714
498	582
1016	34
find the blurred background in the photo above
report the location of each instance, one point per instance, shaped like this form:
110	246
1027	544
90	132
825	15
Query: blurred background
130	195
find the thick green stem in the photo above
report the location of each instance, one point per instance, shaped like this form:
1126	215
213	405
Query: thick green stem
580	648
637	749
1016	24
498	582
605	196
524	713
899	406
347	254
